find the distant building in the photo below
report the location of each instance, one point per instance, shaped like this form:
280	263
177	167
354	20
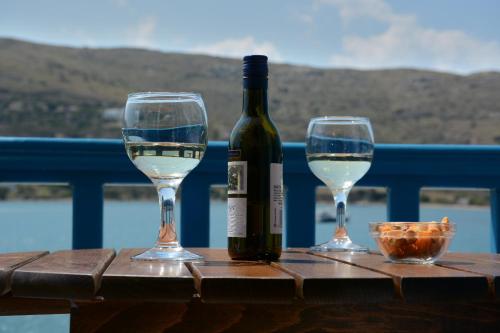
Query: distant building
112	114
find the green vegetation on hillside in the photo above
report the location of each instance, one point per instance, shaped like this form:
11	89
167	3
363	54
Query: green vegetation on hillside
70	92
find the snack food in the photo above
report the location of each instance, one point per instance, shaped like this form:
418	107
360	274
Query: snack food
413	242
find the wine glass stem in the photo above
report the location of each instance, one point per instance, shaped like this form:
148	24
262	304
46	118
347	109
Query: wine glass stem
340	198
167	236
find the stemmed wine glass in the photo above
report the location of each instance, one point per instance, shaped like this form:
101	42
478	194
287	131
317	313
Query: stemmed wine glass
339	152
165	137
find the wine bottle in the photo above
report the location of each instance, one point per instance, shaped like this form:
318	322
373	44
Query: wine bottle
255	172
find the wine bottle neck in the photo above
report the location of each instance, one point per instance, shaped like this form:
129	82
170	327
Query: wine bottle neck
255	102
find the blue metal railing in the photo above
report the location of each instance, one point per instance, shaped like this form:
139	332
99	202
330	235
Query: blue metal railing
88	164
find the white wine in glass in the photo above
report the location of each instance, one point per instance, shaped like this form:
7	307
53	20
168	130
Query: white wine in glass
339	152
166	137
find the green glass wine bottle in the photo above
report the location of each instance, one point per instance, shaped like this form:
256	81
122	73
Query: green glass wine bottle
255	172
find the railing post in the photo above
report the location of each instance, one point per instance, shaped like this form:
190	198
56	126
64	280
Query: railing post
300	211
195	211
403	202
495	220
87	214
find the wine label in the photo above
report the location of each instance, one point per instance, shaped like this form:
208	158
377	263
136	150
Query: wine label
276	195
237	177
237	217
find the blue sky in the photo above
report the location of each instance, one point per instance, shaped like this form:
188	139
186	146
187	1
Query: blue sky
448	35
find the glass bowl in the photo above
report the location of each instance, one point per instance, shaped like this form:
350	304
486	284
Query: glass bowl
412	242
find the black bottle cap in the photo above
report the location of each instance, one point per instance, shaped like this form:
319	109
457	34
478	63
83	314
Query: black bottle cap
255	66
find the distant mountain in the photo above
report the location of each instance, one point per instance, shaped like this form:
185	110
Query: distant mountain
79	92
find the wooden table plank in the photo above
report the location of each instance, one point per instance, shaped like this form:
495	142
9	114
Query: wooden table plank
475	264
401	317
420	282
320	280
15	306
221	280
10	261
64	274
146	280
489	257
128	316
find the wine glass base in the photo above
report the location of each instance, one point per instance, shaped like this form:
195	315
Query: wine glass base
168	254
339	245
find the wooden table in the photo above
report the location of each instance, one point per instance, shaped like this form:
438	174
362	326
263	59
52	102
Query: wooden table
331	292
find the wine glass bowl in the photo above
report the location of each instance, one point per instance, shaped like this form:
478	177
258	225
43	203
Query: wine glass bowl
165	137
339	152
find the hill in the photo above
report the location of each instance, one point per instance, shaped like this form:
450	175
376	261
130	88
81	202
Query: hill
78	92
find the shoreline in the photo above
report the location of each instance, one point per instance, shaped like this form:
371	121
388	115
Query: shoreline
362	203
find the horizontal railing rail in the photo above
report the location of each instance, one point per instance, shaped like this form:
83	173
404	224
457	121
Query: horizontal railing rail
88	164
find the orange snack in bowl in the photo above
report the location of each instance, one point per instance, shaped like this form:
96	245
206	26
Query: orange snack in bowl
415	242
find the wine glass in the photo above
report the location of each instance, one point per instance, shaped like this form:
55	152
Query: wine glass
165	137
339	152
